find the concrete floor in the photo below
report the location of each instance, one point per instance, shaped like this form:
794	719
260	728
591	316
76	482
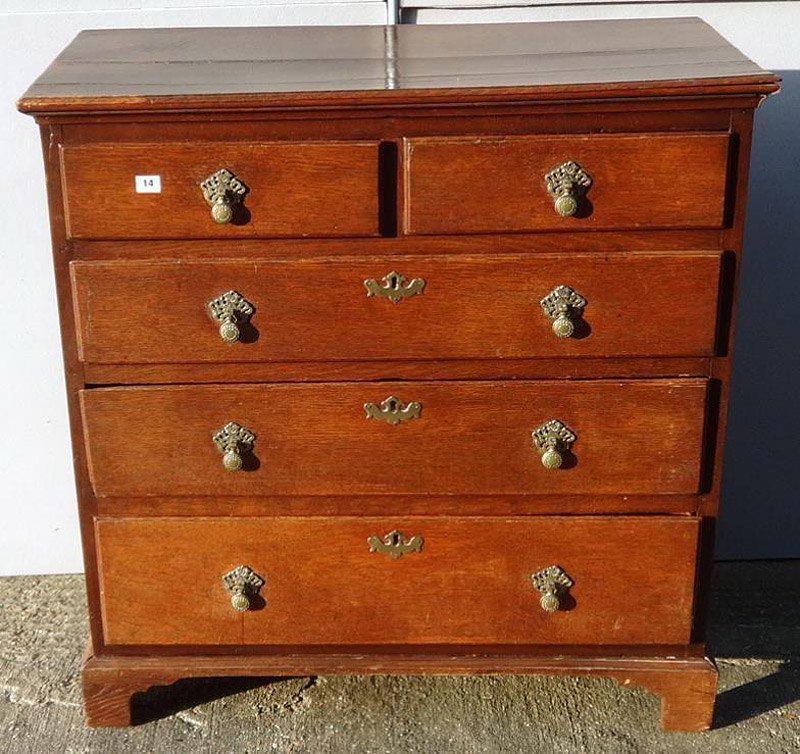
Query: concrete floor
755	638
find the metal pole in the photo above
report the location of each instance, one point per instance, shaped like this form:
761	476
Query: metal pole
392	12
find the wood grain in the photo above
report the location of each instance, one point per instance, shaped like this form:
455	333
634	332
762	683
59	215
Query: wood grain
474	184
97	375
644	445
471	307
74	376
397	505
686	685
638	436
469	584
307	189
486	246
292	67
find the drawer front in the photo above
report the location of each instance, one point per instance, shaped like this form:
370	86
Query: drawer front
292	189
662	304
456	580
631	436
495	185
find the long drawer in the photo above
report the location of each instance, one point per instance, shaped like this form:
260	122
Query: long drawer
390	438
480	184
614	304
422	580
277	189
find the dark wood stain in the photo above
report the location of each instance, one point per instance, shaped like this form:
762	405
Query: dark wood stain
155	69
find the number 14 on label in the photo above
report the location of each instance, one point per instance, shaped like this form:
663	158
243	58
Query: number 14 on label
148	184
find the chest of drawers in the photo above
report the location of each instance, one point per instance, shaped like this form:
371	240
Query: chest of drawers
398	350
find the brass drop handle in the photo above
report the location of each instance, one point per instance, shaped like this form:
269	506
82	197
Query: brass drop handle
222	190
563	306
230	310
233	440
550	582
553	439
243	583
566	183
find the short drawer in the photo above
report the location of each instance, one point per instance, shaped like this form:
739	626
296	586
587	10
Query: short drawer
275	190
615	304
498	184
393	438
416	580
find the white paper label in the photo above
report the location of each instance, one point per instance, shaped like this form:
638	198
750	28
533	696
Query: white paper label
148	184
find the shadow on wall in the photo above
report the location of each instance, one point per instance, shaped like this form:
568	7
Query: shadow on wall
760	510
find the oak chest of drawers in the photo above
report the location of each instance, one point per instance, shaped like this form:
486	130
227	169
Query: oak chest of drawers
398	350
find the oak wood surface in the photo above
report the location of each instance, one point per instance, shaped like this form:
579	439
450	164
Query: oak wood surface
502	118
162	68
470	583
397	505
635	436
470	307
487	246
97	375
742	126
307	189
686	685
214	100
473	184
363	651
701	109
74	377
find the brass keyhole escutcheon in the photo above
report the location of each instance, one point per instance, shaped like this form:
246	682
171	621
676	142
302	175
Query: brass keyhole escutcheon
393	411
395	543
395	287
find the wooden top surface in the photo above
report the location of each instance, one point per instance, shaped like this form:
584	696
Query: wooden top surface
156	69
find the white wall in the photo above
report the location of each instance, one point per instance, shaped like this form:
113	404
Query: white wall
38	522
764	31
38	519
